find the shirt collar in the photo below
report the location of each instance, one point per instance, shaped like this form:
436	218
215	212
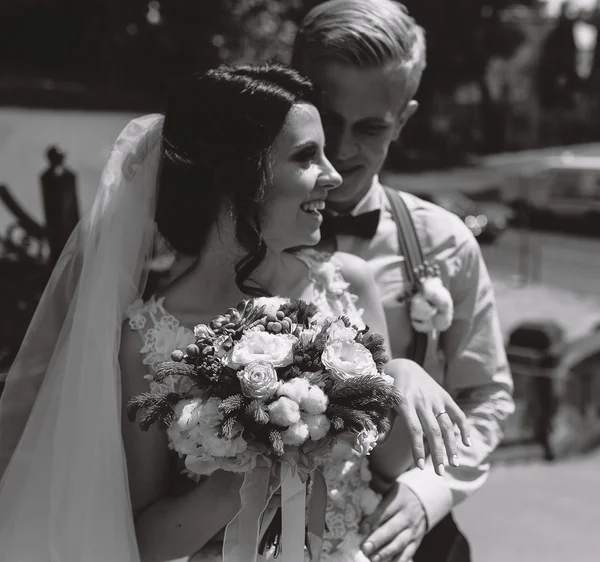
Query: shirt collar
373	199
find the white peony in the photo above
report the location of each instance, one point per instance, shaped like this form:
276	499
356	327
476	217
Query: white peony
218	446
345	360
255	346
202	463
188	413
339	331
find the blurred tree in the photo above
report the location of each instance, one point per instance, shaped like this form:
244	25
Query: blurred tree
254	31
557	79
143	43
462	38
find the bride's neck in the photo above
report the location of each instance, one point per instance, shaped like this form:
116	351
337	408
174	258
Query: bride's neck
215	270
277	274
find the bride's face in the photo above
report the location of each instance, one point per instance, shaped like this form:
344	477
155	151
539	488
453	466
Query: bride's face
302	177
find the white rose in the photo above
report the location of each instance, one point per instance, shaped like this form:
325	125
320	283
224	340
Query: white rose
255	346
345	360
183	443
339	331
258	380
271	304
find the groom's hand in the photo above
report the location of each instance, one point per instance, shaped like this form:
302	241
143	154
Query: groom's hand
396	528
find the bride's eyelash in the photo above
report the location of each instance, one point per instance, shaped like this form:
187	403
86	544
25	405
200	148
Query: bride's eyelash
307	154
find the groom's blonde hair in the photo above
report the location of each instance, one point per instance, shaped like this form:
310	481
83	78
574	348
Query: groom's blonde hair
360	33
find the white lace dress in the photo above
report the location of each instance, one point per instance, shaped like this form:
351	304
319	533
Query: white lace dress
348	477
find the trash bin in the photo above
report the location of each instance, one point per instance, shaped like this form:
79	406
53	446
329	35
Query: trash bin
534	349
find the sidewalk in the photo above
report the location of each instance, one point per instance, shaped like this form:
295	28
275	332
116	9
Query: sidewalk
536	512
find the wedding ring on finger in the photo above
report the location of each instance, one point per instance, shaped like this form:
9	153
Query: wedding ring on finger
442	412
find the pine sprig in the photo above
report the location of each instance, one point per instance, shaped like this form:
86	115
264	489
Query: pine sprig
174	369
354	420
345	391
155	408
288	373
228	428
308	357
276	442
257	412
232	404
375	344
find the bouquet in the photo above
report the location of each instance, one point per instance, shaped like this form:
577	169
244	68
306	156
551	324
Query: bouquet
267	390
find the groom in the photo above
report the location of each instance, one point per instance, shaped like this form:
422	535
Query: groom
367	58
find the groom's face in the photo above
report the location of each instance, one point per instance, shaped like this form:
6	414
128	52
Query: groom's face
363	111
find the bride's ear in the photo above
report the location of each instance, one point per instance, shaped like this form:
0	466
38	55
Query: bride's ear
163	255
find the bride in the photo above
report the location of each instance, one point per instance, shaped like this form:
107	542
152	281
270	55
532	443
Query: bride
217	201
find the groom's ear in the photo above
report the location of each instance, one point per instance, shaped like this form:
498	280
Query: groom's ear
404	116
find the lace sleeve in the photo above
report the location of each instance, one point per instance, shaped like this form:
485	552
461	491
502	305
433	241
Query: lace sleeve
330	294
160	331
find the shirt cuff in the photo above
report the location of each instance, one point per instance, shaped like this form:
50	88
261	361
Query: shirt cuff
432	490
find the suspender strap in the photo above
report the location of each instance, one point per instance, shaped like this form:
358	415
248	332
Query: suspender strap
413	258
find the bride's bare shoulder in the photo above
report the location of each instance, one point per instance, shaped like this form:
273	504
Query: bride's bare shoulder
354	270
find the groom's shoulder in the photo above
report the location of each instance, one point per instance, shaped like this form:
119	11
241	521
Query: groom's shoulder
436	227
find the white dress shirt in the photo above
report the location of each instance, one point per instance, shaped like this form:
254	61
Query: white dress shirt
468	359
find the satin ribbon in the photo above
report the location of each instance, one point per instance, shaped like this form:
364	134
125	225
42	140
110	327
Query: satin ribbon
293	515
242	534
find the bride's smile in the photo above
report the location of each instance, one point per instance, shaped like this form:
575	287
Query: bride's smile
301	178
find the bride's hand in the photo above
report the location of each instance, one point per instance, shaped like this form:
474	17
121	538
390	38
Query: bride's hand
429	412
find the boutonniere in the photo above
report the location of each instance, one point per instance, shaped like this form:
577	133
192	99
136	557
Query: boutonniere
431	306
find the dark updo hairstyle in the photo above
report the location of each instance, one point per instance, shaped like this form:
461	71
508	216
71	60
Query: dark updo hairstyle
218	130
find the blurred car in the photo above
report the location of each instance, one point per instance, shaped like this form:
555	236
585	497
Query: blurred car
485	219
560	193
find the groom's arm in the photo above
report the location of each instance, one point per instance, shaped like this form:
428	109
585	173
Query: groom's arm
477	376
